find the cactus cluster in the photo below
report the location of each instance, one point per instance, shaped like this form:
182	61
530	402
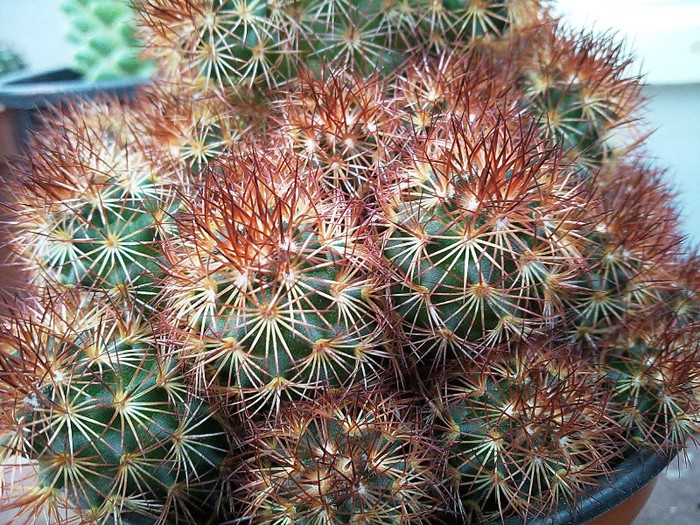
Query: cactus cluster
378	262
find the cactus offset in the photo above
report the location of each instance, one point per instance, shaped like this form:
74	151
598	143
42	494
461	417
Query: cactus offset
630	259
190	131
526	432
93	205
343	126
483	231
355	458
580	86
654	373
269	285
109	423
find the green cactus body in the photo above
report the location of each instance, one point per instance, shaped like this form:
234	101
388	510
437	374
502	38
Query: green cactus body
473	265
600	301
628	265
242	43
653	375
95	207
359	35
683	296
344	126
107	47
567	118
339	461
620	285
205	132
582	94
521	437
438	278
98	238
187	132
110	425
266	292
452	21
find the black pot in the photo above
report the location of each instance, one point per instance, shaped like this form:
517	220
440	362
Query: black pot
21	94
629	477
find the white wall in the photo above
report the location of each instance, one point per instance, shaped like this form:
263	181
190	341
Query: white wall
663	34
665	37
37	29
674	112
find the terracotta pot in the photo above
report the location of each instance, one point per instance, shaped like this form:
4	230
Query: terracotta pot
8	142
10	276
626	512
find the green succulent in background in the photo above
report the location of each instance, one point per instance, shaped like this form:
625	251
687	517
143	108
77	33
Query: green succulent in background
107	46
10	59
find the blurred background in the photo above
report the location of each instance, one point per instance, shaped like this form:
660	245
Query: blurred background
664	37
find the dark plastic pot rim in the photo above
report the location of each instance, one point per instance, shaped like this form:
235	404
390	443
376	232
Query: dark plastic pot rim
29	90
627	478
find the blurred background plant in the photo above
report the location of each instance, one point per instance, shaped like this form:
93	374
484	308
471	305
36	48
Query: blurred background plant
104	34
10	59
